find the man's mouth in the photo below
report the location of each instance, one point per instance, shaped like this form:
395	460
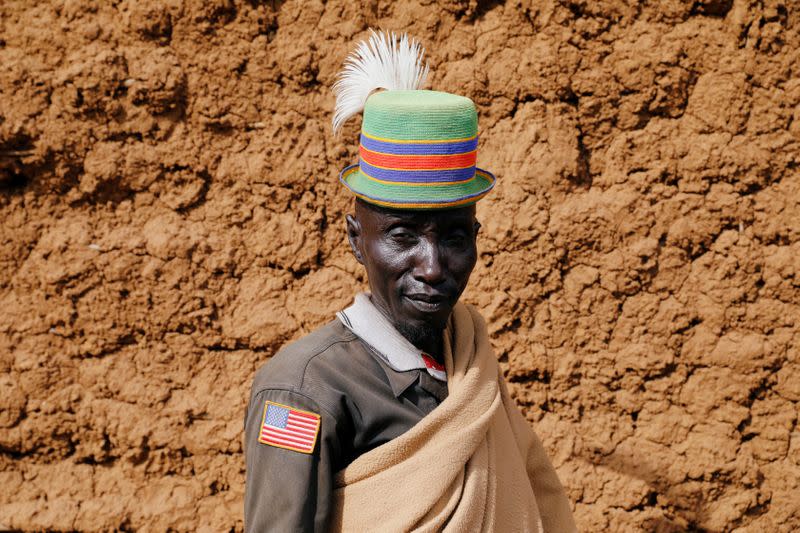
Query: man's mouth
427	303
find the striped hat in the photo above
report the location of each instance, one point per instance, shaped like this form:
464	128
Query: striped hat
418	149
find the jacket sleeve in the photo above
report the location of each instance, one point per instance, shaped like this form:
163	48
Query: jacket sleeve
286	489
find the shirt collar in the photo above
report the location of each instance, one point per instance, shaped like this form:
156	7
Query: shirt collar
398	381
369	324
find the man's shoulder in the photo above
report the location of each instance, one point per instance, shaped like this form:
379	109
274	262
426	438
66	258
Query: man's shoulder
318	352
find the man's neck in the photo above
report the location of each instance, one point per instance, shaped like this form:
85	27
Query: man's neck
433	347
428	340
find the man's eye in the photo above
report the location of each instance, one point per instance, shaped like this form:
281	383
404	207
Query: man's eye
402	236
456	239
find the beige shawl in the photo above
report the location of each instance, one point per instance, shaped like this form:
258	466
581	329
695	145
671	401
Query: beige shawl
472	464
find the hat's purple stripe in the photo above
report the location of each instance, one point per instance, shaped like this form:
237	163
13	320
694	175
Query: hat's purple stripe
410	148
417	176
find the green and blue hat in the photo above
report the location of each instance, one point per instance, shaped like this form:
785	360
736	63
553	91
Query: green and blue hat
418	148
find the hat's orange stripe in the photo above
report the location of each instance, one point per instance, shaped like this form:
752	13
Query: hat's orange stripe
419	162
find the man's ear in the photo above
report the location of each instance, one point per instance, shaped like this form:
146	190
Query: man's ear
354	236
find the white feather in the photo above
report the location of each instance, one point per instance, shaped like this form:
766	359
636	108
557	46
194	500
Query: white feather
381	62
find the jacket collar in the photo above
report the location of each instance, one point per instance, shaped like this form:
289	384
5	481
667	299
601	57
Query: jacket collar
372	327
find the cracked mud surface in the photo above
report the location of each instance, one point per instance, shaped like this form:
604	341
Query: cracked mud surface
171	216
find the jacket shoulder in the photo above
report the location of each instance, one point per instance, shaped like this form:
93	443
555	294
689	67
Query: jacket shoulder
287	369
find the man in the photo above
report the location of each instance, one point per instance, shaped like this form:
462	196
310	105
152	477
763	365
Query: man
393	416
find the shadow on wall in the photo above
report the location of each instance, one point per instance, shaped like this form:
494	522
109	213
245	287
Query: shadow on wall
682	503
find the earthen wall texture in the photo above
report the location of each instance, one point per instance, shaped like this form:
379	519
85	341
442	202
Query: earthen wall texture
170	216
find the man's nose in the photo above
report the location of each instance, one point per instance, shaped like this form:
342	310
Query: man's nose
430	264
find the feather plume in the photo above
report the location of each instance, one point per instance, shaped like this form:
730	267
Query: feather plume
383	61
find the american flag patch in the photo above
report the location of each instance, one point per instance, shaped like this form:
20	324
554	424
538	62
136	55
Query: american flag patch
286	427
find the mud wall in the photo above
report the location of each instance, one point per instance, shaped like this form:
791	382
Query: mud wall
171	216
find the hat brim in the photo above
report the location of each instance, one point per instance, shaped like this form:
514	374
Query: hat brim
417	195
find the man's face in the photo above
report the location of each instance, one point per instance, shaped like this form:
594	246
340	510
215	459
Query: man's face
418	262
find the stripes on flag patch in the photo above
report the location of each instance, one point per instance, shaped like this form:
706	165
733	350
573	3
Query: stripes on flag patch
289	428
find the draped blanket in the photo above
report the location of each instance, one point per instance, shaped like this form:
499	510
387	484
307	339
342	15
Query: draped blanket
472	464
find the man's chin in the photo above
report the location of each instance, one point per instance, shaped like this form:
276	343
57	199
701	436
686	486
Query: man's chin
419	333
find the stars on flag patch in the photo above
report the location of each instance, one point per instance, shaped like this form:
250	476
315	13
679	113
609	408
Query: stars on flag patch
289	428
